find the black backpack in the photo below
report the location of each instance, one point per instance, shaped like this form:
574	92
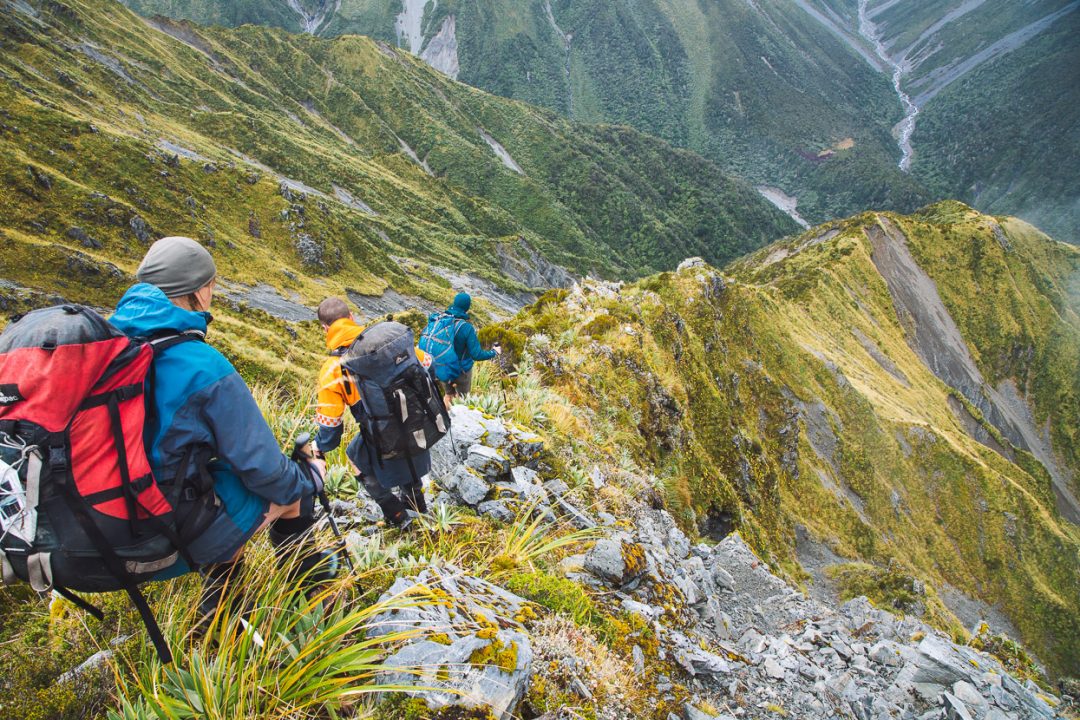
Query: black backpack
401	408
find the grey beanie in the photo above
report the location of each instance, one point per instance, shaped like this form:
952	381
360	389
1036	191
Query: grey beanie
177	265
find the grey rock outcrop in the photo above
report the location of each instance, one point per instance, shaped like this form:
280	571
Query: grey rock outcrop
742	637
470	648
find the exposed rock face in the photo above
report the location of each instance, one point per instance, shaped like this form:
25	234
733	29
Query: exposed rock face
500	152
472	649
726	629
490	466
266	298
615	561
743	637
524	264
441	51
391	301
934	336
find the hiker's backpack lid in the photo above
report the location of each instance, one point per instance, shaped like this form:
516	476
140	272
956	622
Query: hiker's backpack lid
65	341
380	352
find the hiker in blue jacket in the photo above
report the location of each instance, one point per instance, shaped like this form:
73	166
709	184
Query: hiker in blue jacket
452	342
204	428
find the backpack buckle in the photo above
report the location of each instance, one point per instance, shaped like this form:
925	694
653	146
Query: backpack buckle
58	462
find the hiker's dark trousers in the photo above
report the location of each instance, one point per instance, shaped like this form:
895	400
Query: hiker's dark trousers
395	501
461	385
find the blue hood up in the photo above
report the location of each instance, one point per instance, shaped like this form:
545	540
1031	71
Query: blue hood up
144	310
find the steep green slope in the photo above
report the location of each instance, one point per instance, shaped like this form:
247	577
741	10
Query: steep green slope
937	38
231	14
298	157
997	124
855	381
794	94
761	88
1017	148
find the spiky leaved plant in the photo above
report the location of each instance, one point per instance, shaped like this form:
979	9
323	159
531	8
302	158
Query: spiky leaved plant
442	518
534	535
271	651
487	403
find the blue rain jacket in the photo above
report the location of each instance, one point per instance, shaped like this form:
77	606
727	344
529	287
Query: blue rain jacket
198	398
467	347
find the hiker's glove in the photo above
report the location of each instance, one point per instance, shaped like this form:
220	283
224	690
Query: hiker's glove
318	472
497	349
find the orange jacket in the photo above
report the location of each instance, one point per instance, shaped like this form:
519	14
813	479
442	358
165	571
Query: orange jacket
336	394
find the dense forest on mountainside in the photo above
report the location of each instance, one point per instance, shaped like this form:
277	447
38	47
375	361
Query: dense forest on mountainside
336	155
790	94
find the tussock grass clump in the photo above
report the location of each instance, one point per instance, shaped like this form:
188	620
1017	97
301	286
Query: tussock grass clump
274	649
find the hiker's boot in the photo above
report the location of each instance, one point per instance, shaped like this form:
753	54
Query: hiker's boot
218	580
293	543
414	499
396	512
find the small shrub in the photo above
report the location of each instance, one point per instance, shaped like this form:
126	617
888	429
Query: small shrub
599	326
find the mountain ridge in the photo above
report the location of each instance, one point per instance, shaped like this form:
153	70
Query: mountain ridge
388	159
731	81
790	391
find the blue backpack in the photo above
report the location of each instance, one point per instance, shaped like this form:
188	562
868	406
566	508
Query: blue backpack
437	340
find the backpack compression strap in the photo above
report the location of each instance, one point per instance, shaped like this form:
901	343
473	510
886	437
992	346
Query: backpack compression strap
58	467
160	343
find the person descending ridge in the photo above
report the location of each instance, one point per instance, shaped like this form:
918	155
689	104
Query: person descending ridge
336	392
206	433
451	340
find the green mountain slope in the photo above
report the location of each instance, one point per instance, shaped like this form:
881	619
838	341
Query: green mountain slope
997	105
904	388
794	94
762	88
290	153
1017	148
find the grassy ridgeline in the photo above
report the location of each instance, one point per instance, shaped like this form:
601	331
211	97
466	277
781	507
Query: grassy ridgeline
786	393
298	158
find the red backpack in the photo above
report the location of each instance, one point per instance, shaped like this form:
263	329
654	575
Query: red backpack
80	509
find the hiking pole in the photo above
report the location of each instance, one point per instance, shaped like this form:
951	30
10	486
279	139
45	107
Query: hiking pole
500	363
301	456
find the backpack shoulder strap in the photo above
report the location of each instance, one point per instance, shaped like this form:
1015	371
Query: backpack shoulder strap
454	323
160	342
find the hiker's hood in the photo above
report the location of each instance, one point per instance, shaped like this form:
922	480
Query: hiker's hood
144	310
457	312
342	333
